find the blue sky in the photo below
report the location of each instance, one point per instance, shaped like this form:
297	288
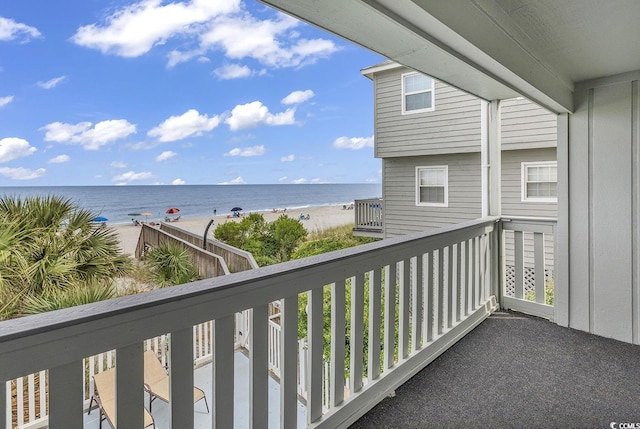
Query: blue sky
148	92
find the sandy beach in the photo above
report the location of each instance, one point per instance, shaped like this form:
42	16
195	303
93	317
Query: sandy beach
319	218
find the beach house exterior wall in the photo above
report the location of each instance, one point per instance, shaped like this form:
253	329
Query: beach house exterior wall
448	135
452	125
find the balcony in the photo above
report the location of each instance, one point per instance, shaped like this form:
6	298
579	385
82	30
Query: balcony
395	306
369	221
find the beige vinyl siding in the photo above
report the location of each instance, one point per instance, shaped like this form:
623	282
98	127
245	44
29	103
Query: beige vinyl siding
526	125
402	216
512	204
452	127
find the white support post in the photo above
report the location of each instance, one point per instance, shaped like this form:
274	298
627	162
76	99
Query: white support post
561	235
494	152
484	156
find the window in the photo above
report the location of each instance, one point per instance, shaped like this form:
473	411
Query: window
540	181
432	186
417	93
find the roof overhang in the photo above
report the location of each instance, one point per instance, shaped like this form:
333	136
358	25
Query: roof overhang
494	49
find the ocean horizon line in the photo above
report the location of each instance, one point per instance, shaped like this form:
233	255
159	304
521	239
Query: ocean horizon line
191	184
116	203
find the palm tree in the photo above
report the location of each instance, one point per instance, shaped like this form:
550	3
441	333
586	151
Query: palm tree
48	245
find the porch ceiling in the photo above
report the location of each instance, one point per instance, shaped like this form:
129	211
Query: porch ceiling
494	49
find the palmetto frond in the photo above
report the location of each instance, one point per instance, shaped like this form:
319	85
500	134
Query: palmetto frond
48	245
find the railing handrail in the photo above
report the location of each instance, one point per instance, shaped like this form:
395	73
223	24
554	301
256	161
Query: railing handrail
147	229
505	218
367	200
530	224
216	243
108	324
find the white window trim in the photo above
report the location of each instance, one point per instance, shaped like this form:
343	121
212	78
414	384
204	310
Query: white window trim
404	98
446	185
523	182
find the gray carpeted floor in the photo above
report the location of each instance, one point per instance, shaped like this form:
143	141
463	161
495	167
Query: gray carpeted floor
515	371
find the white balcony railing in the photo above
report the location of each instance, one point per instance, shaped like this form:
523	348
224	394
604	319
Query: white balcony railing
423	293
368	216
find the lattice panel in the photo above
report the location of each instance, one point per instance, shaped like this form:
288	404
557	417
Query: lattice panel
529	280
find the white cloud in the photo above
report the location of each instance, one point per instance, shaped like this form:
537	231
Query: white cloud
353	143
299	181
135	29
52	83
178	181
202	26
180	127
130	176
60	159
297	97
283	179
13	148
247	151
21	173
118	164
177	57
6	100
165	155
253	114
90	138
232	71
288	158
11	30
237	181
143	145
271	42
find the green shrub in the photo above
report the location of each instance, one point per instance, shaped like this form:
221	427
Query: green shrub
170	264
548	293
75	295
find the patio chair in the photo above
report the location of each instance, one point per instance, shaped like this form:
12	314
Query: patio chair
156	381
104	394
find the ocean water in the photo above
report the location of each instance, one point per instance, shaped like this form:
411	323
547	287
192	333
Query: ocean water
116	202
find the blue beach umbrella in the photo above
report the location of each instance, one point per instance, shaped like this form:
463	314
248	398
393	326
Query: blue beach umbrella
99	219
